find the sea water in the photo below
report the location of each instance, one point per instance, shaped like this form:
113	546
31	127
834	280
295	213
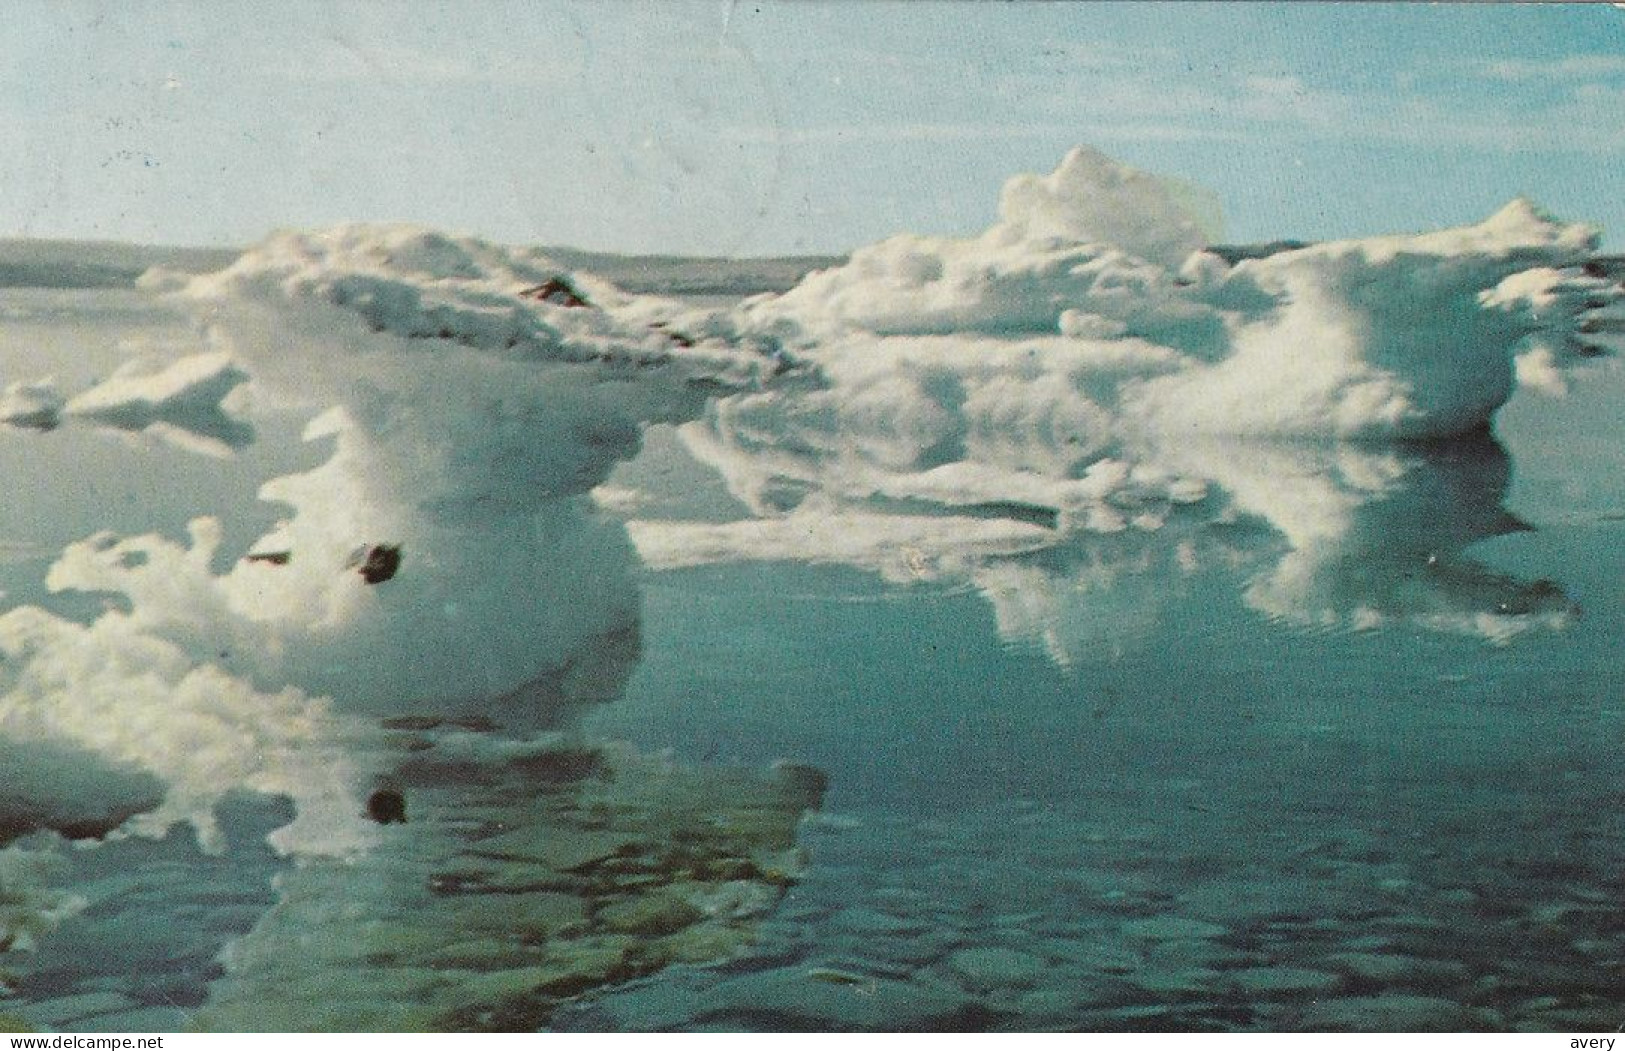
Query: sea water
1213	821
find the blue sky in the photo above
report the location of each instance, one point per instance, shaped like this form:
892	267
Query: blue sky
758	127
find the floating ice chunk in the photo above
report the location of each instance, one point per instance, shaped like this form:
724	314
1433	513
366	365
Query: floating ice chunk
1387	337
138	394
36	406
423	285
901	548
1407	336
179	399
1094	238
141	702
471	454
472	396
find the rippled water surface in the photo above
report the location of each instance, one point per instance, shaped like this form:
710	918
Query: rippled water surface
1209	818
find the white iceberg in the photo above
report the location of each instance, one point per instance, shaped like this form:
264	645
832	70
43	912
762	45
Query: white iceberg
469	454
1409	336
434	291
1089	377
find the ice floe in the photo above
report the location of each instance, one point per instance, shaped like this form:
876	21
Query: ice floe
1076	372
1406	336
182	402
36	405
442	289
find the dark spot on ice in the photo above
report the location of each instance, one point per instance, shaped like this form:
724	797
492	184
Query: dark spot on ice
270	558
387	807
380	562
558	291
132	559
682	339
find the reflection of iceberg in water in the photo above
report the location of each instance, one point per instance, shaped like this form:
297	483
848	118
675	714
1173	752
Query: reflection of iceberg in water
1378	537
525	874
1331	536
1327	538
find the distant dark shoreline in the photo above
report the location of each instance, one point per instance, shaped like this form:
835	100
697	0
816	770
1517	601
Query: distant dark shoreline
27	263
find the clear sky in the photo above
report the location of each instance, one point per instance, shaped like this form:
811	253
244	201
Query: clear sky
763	127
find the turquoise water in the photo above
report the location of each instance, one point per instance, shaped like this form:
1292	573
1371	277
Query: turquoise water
1214	820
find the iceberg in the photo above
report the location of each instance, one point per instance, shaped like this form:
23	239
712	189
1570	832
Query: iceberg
469	396
1396	337
432	290
1088	391
466	399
